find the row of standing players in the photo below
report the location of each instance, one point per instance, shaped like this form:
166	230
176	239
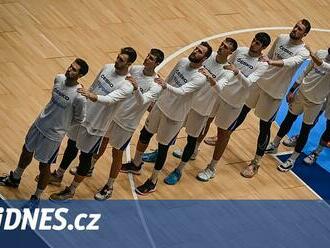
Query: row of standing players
223	85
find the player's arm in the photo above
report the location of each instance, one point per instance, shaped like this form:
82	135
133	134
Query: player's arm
188	88
79	110
150	96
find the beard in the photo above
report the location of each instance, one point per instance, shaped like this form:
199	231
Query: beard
293	37
193	59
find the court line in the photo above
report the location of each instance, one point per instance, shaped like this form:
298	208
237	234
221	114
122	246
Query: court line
170	58
136	200
278	160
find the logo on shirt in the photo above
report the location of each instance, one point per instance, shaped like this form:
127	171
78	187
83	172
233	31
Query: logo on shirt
241	61
286	50
318	71
214	76
180	76
106	80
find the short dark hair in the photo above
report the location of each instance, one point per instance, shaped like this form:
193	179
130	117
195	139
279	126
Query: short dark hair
329	50
264	38
307	25
158	54
209	49
130	52
233	43
83	66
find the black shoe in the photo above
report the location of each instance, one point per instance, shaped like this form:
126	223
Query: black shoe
146	188
131	168
32	204
9	180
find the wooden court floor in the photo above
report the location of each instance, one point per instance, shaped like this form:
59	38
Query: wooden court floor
40	38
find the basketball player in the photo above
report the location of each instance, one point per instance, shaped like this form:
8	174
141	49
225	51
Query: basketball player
313	87
129	114
247	68
168	115
285	56
202	105
111	86
66	108
324	140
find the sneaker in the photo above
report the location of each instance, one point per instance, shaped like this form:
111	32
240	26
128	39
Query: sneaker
250	170
9	180
150	157
146	188
131	168
178	154
206	174
311	158
32	204
173	177
54	179
104	193
271	148
211	140
73	171
66	194
291	142
286	166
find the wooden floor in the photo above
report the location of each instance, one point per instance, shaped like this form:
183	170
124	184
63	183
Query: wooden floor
40	38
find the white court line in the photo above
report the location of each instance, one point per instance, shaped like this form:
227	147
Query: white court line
171	57
278	160
139	210
240	31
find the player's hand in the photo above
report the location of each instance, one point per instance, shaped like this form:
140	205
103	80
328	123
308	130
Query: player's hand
161	82
231	67
264	58
205	72
86	93
133	81
289	97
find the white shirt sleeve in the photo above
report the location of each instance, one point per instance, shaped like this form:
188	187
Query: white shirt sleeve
325	66
150	96
297	59
116	95
254	76
187	88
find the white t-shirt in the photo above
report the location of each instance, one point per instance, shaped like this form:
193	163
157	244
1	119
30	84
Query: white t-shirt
66	108
315	81
131	110
205	98
236	90
183	83
276	80
111	88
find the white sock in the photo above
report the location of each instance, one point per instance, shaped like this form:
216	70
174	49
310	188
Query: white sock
214	164
196	148
277	141
110	182
73	186
18	172
294	155
181	165
154	176
38	193
318	150
137	158
60	172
